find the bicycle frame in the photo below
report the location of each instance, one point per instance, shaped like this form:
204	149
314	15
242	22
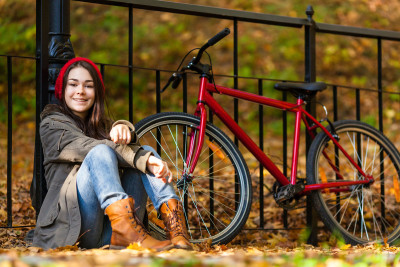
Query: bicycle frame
205	99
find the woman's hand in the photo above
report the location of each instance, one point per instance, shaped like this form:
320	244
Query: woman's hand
120	134
159	168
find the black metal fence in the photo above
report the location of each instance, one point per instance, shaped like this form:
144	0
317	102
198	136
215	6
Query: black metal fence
311	30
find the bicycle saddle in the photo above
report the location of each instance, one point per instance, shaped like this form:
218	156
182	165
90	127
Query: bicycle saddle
301	89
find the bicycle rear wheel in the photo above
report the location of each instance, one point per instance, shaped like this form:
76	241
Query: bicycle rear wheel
217	199
359	213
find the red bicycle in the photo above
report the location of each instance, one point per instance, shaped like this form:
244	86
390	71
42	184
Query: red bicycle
352	168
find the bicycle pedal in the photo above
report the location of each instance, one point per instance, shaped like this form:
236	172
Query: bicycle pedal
287	192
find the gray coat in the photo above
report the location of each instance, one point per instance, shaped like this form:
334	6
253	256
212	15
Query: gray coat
64	147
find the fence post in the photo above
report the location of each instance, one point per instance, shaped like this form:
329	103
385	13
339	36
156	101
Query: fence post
310	76
53	48
42	29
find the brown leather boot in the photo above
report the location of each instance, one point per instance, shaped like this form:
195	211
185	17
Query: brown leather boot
175	224
127	229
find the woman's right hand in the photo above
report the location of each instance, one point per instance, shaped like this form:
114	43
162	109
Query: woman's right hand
120	134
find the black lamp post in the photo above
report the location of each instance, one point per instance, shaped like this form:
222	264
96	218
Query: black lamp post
53	49
60	47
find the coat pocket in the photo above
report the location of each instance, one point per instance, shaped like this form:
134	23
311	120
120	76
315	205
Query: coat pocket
49	218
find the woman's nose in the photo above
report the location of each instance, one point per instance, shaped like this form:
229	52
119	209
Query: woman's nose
80	89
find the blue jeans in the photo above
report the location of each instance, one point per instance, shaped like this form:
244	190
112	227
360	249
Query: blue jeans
100	184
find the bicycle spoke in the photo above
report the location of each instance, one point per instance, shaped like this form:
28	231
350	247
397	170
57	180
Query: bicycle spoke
205	193
210	216
158	142
198	212
373	217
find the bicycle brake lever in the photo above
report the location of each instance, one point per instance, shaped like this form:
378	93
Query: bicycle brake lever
171	79
177	80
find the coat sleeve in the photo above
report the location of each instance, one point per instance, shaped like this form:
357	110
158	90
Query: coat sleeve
64	142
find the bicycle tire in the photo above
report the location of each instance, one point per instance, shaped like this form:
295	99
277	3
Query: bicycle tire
212	211
366	213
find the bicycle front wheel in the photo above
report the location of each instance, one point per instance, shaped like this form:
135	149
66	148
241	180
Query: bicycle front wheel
217	199
359	213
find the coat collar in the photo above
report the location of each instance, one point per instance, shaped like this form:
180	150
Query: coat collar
54	111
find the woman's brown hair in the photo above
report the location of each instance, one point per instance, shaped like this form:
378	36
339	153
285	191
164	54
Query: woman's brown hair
96	124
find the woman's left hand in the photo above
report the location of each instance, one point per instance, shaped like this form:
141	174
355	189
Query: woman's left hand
120	134
159	168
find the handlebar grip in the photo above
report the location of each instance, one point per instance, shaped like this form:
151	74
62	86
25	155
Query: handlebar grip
222	34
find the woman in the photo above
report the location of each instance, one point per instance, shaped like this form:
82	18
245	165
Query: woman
94	167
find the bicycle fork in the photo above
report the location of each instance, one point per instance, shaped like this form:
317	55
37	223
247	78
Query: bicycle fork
196	141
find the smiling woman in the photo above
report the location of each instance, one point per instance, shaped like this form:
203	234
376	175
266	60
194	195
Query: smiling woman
95	167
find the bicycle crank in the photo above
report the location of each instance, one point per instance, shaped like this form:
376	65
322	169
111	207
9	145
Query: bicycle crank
286	193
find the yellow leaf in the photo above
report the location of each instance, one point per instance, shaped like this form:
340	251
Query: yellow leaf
396	189
217	151
345	246
385	239
324	179
136	246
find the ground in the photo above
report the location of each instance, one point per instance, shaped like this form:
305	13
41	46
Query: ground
204	255
274	250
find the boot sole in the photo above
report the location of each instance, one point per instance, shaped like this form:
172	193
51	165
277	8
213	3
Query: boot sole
114	247
184	247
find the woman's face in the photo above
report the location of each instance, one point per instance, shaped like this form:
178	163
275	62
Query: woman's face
79	91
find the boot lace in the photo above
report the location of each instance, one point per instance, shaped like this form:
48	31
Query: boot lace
174	223
137	223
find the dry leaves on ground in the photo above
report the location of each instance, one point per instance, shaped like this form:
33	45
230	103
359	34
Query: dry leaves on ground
205	255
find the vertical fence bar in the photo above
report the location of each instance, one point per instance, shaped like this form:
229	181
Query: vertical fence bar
184	140
102	71
236	86
130	54
310	76
158	107
42	86
211	175
184	93
358	135
380	94
158	91
337	162
358	109
261	141
235	73
335	103
9	143
284	148
380	104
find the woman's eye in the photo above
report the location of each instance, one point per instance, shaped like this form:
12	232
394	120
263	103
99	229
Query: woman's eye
72	84
89	86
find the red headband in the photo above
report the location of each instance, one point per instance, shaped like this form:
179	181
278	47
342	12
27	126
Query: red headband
59	82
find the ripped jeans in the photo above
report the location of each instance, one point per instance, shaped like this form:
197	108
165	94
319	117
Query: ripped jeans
99	184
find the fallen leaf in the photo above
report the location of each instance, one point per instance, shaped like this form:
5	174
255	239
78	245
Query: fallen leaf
345	246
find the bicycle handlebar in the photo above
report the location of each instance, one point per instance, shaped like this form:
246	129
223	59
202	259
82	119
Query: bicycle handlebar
176	78
218	37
